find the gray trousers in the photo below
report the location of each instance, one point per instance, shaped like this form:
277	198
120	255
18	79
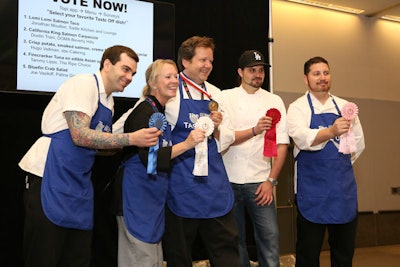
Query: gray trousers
135	253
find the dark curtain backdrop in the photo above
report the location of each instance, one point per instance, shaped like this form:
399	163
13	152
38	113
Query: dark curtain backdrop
235	26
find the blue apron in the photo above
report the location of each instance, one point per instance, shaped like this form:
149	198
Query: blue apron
67	191
326	186
197	196
144	196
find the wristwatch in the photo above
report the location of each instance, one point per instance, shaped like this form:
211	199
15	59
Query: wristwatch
273	181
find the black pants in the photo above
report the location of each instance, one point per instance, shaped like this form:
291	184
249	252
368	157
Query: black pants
310	237
46	244
219	236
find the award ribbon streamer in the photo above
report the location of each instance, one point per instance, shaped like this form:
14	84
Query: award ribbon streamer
270	149
347	143
201	149
159	121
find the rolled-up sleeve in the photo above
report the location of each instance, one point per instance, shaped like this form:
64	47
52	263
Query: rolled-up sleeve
298	121
226	132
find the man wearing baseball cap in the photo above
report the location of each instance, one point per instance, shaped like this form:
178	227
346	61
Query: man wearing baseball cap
251	58
249	167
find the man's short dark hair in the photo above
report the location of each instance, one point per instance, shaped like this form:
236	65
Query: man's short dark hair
313	61
113	54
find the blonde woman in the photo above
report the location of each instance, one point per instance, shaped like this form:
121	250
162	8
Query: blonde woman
141	225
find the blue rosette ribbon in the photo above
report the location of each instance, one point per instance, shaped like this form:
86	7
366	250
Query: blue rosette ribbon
159	121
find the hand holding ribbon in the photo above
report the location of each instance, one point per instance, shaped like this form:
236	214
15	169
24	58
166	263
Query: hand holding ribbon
270	149
159	121
347	141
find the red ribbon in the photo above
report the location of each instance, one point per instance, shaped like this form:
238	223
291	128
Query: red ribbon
183	77
270	149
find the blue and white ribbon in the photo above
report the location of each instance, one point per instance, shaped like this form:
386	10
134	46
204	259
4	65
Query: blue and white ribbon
159	121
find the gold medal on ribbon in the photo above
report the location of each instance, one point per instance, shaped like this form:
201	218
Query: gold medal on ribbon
213	105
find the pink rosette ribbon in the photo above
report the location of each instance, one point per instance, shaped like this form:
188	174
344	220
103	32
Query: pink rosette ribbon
347	141
270	149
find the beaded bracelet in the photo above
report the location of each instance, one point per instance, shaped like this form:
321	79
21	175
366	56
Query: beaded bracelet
253	131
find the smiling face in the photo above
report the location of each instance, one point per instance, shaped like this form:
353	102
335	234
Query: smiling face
318	79
200	66
118	76
166	83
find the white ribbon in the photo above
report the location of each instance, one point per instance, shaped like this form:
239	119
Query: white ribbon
201	149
